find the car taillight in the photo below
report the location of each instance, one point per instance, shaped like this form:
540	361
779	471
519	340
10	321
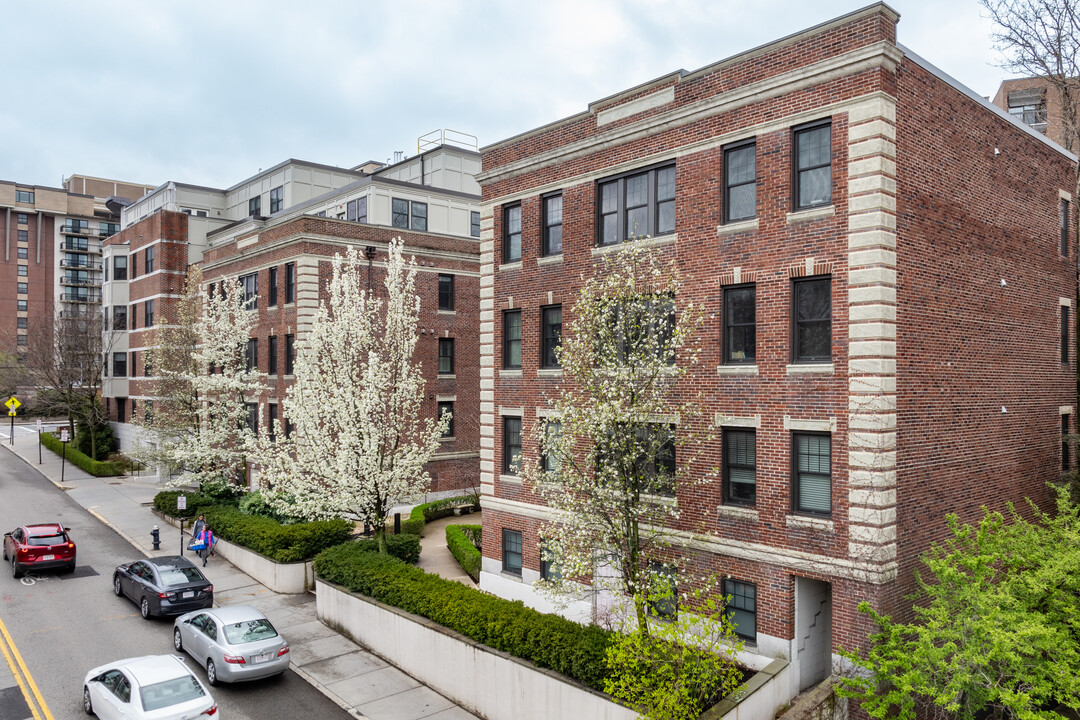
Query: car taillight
234	659
212	710
208	588
23	551
71	545
163	596
282	651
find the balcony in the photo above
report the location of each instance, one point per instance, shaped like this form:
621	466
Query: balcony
79	280
74	228
79	245
81	261
72	296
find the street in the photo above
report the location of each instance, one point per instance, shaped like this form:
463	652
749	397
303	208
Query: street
62	625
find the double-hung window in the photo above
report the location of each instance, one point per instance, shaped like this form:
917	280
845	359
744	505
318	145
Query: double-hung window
120	267
408	215
1064	334
24	196
290	354
512	339
255	206
1064	218
446	292
271	355
149	259
740	325
812	319
511	551
419	216
446	356
252	417
552	225
740	182
119	364
511	464
512	234
277	199
551	320
813	165
549	460
271	300
399	213
665	591
740	466
148	314
474	223
250	285
290	283
636	204
119	317
272	421
741	603
812	473
446	409
251	355
1065	443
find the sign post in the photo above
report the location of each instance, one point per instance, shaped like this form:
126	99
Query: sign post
63	456
181	504
39	441
12	405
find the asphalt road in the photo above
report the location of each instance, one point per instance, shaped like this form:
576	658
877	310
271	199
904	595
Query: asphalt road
63	625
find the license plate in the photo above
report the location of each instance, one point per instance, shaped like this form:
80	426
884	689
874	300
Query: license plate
260	658
189	594
47	557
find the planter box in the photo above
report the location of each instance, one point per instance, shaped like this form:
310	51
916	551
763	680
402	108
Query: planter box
294	578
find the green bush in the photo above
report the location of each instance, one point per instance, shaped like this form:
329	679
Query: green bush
283	543
403	547
548	641
165	502
254	503
97	468
426	512
464	550
105	442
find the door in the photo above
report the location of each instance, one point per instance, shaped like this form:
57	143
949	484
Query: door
813	631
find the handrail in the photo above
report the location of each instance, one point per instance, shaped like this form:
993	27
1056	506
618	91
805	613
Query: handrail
435	138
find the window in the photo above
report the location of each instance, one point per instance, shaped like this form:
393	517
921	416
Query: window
1064	212
399	215
642	329
638	204
20	340
22	235
251	355
134	265
271	425
133	411
512	234
740	466
657	464
350	211
551	320
813	165
271	355
812	320
134	365
149	264
23	253
740	325
146	369
665	591
290	282
549	568
107	229
23	270
474	223
552	225
21	323
148	314
119	361
21	288
21	305
740	182
446	356
1064	334
1029	107
148	410
512	339
511	551
812	460
511	445
447	408
1065	443
549	461
250	285
277	199
289	354
419	216
741	599
121	404
134	316
446	292
356	210
272	299
24	196
255	206
252	417
119	314
22	218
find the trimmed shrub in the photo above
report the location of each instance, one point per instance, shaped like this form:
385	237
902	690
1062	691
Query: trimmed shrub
97	468
548	641
426	512
464	549
403	547
254	503
283	543
165	502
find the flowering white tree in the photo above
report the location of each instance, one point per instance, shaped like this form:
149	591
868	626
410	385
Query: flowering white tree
200	423
361	441
608	451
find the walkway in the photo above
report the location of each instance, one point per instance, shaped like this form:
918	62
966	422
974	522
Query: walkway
435	557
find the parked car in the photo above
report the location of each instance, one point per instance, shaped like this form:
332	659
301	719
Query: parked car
168	585
44	546
234	643
154	686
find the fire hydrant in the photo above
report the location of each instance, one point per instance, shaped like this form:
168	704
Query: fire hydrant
156	535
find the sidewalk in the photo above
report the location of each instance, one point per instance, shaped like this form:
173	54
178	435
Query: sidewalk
358	681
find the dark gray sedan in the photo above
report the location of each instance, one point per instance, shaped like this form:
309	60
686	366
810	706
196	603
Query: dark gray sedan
169	585
234	643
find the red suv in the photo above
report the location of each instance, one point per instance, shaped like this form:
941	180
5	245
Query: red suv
39	547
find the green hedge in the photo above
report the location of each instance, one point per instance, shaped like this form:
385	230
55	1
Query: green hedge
426	512
165	502
97	468
548	641
463	549
283	543
403	547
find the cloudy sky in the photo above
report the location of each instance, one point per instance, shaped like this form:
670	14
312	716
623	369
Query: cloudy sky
211	92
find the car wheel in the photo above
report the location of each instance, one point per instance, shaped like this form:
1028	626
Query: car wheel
15	571
177	641
211	673
116	585
144	608
87	706
69	568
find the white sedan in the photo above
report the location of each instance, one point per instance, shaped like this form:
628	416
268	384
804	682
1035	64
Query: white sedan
154	686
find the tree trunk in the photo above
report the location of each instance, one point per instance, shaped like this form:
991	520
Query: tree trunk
380	537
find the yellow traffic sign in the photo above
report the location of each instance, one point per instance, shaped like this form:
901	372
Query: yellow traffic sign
13	404
12	413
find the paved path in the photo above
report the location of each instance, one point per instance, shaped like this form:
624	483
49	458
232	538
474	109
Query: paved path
435	557
357	680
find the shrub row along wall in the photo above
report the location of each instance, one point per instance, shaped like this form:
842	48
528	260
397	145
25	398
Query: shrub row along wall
464	549
426	512
97	468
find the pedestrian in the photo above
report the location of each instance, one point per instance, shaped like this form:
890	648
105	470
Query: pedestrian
198	526
204	541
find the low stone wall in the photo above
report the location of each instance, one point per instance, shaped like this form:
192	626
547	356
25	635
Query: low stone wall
759	697
821	703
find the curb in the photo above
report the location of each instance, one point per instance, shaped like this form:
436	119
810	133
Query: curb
329	694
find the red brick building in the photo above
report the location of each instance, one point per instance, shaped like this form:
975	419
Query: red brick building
1034	102
284	259
889	282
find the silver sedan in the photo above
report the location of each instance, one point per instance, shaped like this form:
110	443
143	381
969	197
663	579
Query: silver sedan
234	643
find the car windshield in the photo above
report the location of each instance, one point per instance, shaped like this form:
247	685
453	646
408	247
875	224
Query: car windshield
44	540
171	576
249	631
171	692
